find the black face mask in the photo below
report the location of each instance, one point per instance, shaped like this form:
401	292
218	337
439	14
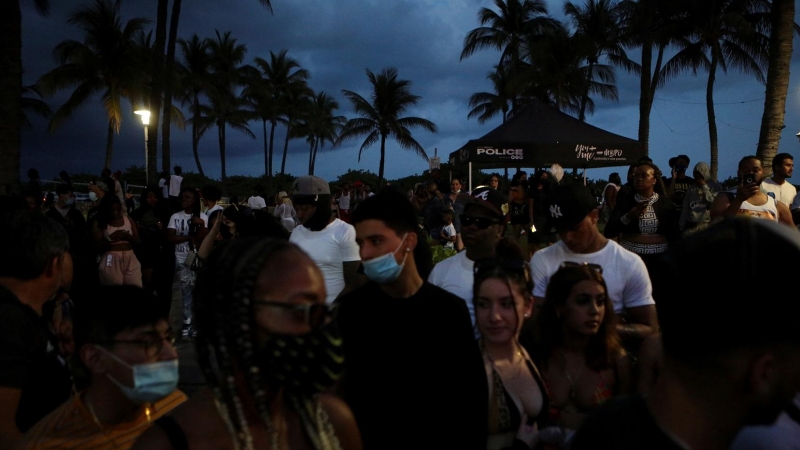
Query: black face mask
303	364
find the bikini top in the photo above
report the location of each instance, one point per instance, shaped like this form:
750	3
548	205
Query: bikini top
508	415
602	392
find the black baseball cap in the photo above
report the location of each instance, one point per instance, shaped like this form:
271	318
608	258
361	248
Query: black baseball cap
567	205
489	199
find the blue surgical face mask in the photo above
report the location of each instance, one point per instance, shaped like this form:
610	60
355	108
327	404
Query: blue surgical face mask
384	269
151	381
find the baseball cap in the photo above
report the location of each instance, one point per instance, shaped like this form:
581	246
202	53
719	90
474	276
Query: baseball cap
310	185
567	205
490	199
674	160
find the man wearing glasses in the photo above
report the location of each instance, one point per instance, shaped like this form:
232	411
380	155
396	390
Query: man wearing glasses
573	213
482	225
133	369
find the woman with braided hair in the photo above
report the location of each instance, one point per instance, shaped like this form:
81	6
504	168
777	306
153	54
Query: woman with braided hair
268	349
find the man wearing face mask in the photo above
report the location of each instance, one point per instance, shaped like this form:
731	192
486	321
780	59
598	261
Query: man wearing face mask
133	366
35	266
409	346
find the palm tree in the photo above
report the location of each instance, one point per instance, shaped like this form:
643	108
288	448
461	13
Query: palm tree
281	79
193	76
291	112
598	31
721	35
505	30
318	124
780	56
11	90
33	105
226	107
486	105
104	62
381	118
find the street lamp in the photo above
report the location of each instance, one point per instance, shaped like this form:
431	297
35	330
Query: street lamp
798	136
145	115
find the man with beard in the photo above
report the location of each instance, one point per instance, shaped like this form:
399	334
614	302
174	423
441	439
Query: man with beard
731	350
749	199
35	266
481	227
777	187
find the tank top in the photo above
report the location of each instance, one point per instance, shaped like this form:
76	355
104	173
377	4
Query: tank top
768	210
110	229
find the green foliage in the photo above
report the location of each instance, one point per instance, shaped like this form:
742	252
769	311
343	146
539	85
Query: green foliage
441	253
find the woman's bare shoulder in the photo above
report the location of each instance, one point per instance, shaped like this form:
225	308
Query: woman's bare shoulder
343	421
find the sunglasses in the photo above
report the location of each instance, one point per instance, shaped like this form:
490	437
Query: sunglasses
481	223
594	267
313	314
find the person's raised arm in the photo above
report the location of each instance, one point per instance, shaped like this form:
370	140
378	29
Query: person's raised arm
720	205
208	242
642	322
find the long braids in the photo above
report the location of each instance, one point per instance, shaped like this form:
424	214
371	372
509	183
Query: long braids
224	342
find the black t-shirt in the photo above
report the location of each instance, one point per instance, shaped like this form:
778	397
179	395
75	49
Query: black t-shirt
519	213
414	373
681	187
623	423
24	363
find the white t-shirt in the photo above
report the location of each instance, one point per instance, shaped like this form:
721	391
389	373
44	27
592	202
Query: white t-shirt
162	183
329	248
344	202
175	185
624	272
455	276
256	202
449	231
212	209
180	222
784	193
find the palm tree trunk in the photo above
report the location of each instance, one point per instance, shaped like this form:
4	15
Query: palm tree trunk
314	162
195	144
271	147
585	97
109	144
383	159
311	159
10	94
221	134
712	120
780	55
156	89
285	148
169	68
195	132
266	149
645	100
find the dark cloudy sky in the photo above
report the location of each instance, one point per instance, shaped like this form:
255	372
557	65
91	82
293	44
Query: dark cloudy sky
337	41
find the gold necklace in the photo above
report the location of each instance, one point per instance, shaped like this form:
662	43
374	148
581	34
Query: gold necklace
571	394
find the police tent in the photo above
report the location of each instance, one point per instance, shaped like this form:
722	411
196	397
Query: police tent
539	136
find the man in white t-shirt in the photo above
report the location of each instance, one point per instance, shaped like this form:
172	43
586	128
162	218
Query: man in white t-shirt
186	230
777	187
163	183
573	213
256	201
345	203
175	188
330	242
481	227
211	196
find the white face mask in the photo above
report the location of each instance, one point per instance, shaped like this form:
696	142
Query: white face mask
92	196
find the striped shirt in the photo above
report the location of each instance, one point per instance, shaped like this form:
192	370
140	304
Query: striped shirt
72	426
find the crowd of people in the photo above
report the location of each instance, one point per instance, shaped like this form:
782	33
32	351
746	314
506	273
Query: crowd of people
324	323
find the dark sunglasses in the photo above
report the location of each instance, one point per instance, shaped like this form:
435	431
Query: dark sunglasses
314	314
481	223
595	267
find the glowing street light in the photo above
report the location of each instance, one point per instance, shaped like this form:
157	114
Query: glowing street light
145	115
